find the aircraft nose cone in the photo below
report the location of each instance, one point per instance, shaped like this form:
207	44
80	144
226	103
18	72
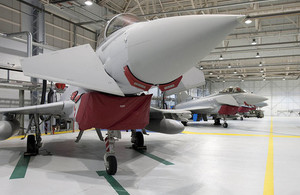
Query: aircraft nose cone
160	51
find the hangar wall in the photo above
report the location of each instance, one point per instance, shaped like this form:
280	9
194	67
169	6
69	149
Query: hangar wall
282	95
59	33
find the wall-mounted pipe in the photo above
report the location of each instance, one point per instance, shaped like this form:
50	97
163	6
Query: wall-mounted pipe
29	40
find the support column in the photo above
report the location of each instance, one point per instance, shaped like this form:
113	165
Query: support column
21	104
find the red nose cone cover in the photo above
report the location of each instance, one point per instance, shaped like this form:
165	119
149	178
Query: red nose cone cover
98	110
228	110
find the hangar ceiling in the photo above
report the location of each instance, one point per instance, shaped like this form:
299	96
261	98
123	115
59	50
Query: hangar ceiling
266	49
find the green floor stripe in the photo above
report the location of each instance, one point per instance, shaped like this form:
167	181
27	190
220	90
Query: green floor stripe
21	168
165	162
114	183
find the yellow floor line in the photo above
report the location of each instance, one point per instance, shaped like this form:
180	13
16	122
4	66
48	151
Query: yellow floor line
230	134
55	133
269	176
287	136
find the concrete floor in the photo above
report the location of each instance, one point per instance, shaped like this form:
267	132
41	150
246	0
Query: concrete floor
254	156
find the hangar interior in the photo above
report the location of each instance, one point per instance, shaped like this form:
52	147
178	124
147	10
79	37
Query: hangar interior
260	56
273	34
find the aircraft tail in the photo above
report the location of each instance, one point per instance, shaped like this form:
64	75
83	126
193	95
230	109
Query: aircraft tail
183	97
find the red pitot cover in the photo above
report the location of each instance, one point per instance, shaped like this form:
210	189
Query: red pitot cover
98	110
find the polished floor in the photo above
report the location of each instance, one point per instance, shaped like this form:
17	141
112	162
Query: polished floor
253	156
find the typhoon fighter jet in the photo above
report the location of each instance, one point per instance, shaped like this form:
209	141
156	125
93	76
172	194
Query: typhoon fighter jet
133	56
219	105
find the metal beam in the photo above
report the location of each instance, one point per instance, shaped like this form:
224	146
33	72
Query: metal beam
208	8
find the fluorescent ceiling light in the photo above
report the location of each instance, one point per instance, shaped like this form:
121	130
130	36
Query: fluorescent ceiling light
88	2
257	55
260	64
221	57
253	42
201	67
248	21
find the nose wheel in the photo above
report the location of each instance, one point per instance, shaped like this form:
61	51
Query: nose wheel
110	160
225	124
111	165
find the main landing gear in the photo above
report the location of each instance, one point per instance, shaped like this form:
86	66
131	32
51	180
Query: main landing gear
137	138
218	122
34	141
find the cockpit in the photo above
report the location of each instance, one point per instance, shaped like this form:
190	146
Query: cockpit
118	22
233	90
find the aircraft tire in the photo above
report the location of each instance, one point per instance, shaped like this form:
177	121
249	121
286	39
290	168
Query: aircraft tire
225	125
31	145
139	141
111	169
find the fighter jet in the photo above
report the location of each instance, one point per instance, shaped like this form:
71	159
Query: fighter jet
219	105
133	55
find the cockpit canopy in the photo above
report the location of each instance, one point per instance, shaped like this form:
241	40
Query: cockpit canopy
233	90
116	23
120	21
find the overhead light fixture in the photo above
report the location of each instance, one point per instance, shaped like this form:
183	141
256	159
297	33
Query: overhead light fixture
201	67
283	78
253	42
242	80
235	72
88	2
229	66
221	57
260	64
210	73
264	79
218	77
223	81
262	70
248	21
240	77
257	55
